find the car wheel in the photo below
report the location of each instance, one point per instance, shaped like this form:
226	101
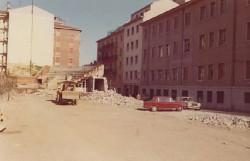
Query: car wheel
154	109
179	108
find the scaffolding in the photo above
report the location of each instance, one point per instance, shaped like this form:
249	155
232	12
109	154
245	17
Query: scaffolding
4	25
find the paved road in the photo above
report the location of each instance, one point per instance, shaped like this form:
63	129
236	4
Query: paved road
39	130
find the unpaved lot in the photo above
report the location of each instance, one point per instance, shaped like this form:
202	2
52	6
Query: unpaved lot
39	130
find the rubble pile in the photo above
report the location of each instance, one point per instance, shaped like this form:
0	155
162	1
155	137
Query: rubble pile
228	121
111	97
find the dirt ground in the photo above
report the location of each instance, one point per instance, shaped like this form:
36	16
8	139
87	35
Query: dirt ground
39	130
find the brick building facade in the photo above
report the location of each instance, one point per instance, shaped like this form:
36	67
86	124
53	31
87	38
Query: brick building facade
110	53
66	45
200	49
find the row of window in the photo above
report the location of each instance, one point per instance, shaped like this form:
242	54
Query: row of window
132	45
187	44
187	18
132	75
158	75
133	30
133	60
212	9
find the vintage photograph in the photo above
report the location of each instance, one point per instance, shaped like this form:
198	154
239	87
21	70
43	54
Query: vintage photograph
125	80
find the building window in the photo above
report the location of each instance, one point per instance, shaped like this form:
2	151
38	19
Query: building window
144	54
187	19
209	96
168	50
211	39
160	51
165	92
136	59
127	46
248	31
247	97
221	71
167	26
131	60
160	27
200	96
132	31
175	49
167	76
126	75
153	52
222	6
248	69
222	36
153	30
202	13
174	74
152	93
158	92
152	75
136	44
187	45
184	93
131	75
145	32
57	59
127	61
128	32
185	73
202	41
144	92
159	74
220	97
210	72
176	22
174	94
132	45
137	28
201	73
136	76
212	9
70	60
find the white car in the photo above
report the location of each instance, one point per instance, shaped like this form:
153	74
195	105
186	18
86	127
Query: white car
188	103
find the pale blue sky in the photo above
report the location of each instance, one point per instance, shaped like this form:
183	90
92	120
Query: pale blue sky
94	17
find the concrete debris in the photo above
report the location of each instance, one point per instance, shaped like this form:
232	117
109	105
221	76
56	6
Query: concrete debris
222	120
111	97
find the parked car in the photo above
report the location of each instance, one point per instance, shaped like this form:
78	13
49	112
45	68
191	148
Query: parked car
67	93
189	103
162	103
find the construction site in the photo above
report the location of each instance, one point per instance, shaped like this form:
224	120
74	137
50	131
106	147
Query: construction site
54	109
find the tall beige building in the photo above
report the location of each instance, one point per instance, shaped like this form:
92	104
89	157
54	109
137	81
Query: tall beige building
132	59
200	49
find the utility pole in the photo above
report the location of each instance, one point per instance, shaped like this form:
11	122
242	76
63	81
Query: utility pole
31	36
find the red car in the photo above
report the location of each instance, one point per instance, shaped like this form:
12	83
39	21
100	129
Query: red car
162	103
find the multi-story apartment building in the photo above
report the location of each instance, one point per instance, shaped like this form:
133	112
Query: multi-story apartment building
200	49
110	53
66	45
132	61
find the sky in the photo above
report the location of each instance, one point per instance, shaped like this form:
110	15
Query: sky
95	17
